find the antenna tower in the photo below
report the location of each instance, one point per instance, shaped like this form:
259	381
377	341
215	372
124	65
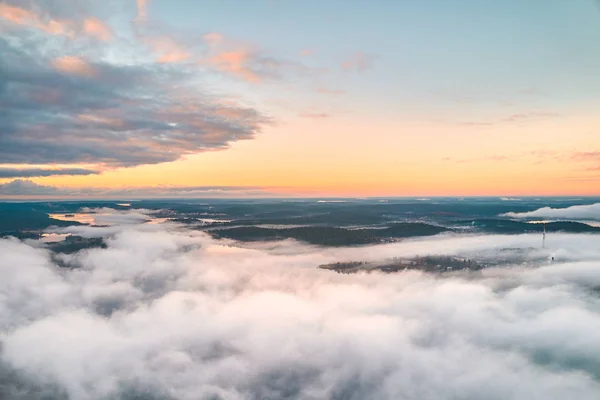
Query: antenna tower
544	237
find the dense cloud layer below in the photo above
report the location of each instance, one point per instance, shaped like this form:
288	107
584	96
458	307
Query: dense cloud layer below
167	313
580	212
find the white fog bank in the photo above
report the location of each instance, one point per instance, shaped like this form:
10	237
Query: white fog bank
167	313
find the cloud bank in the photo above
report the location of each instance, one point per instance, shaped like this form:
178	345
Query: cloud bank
72	94
166	313
36	172
27	188
584	212
70	110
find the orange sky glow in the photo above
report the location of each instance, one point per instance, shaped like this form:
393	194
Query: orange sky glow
144	98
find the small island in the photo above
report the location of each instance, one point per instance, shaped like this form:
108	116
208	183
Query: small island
435	264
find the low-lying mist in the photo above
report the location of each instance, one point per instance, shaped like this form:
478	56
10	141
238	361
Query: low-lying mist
165	312
577	212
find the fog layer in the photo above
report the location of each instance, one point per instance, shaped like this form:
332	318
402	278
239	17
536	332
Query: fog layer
168	313
582	212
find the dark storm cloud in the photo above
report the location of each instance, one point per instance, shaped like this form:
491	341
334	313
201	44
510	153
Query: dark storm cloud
57	108
37	172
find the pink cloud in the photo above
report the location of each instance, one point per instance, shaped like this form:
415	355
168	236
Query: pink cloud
236	63
173	57
358	62
96	28
315	115
17	15
587	155
74	66
168	50
243	60
235	58
229	56
21	16
30	19
94	119
213	38
523	117
142	10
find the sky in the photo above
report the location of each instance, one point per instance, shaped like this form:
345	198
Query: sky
299	98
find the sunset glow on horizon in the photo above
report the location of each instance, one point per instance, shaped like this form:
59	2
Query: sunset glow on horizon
299	99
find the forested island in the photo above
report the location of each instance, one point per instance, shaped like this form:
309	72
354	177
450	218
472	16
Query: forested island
427	263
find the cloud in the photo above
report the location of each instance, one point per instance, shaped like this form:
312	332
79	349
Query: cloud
108	216
68	109
497	158
532	91
34	172
586	156
583	212
168	45
536	157
16	15
96	28
101	99
27	188
74	65
477	124
142	10
214	52
169	51
478	159
30	19
359	62
315	115
236	63
246	62
523	117
213	38
325	90
164	312
75	20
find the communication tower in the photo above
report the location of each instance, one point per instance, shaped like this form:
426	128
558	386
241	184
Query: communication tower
544	237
